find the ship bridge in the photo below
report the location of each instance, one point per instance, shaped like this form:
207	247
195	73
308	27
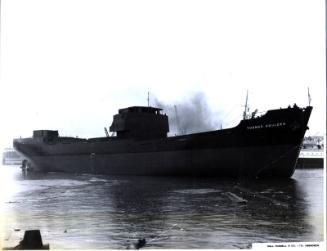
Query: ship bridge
140	122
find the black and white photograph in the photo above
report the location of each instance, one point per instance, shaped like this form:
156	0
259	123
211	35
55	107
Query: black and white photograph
163	124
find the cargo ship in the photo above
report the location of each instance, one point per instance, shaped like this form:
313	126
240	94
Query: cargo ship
259	146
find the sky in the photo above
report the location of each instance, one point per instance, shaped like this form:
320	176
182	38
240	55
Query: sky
69	65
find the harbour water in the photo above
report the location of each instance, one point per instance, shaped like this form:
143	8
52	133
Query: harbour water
84	211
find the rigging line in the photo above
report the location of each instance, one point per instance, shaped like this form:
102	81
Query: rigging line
229	112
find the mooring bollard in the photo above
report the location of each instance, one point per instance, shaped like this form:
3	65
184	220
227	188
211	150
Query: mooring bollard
32	240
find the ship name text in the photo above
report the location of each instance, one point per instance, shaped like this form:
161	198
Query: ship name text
280	124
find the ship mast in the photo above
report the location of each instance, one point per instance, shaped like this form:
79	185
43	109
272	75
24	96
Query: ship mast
177	121
309	97
148	99
246	105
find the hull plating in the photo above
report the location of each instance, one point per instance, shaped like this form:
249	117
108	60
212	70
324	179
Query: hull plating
253	161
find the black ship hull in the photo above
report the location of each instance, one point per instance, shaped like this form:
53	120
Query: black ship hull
267	146
260	161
